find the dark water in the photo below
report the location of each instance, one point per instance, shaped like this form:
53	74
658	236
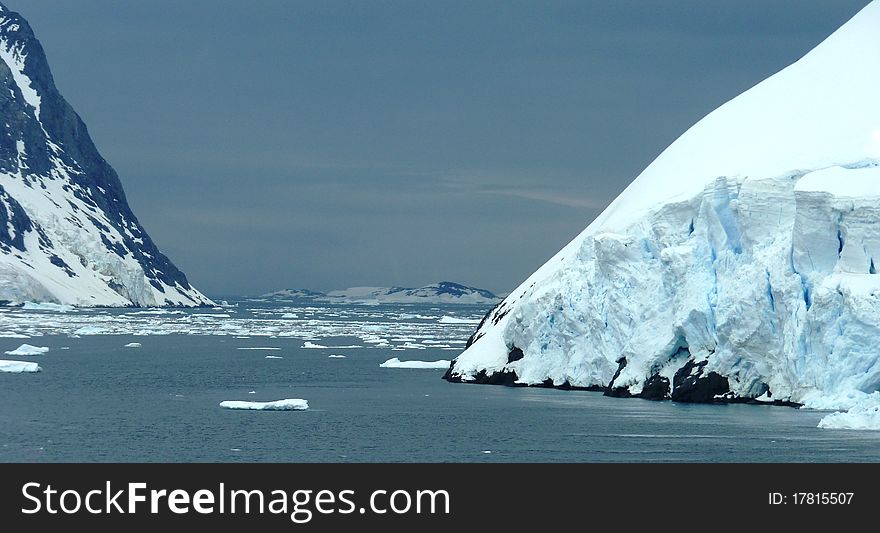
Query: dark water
97	401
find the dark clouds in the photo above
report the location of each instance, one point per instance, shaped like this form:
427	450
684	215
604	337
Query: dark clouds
324	144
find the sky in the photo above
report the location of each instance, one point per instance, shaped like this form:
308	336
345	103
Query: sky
326	144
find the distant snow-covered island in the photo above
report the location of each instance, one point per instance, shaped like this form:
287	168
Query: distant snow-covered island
444	292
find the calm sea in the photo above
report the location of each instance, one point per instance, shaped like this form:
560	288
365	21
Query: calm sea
97	400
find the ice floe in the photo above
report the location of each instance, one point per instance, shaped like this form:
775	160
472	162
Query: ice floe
317	327
394	362
46	306
292	404
863	414
17	367
308	344
27	349
458	320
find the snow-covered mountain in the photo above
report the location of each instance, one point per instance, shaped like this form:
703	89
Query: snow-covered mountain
444	292
741	264
294	294
67	234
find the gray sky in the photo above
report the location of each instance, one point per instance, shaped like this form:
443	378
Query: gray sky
324	144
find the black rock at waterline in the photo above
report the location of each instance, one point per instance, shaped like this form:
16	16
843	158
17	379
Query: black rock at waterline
689	385
656	388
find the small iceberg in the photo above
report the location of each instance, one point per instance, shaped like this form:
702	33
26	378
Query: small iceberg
274	357
289	315
46	306
456	320
294	404
397	363
27	349
133	345
863	415
308	344
89	330
334	356
17	367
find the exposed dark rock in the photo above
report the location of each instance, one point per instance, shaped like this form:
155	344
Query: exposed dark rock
457	289
614	391
691	386
515	354
618	392
14	222
656	388
504	377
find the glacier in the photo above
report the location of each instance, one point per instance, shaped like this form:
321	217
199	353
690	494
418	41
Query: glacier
740	265
67	234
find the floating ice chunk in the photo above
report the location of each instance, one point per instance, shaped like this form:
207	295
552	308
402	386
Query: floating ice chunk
334	356
252	392
46	306
413	346
17	367
864	415
308	344
457	320
294	404
89	330
394	362
274	357
259	348
27	349
13	335
133	345
289	315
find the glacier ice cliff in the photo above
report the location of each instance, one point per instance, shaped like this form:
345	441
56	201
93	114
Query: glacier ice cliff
740	265
67	234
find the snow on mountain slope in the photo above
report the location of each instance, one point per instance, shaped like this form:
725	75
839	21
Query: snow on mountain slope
67	234
740	264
